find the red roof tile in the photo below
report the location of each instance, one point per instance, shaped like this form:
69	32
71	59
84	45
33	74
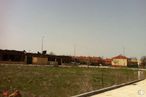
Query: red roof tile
120	57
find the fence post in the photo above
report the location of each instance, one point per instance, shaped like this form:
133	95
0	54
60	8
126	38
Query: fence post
102	77
139	75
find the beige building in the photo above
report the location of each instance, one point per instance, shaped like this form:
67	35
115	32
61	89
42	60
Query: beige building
119	61
40	60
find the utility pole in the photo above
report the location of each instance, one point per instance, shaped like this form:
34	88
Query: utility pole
42	43
123	51
74	52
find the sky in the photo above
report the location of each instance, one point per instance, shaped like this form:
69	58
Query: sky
82	27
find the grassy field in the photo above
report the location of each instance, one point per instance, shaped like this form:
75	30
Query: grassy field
39	81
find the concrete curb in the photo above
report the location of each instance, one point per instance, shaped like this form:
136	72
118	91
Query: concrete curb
91	93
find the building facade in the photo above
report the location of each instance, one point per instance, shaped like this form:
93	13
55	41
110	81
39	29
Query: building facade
120	61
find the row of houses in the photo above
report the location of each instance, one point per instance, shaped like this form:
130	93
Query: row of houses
22	57
119	60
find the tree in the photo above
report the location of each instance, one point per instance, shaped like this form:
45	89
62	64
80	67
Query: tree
143	61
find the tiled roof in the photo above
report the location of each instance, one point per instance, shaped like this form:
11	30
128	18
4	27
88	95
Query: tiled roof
120	57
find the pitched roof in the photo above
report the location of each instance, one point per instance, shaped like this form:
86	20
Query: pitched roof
120	57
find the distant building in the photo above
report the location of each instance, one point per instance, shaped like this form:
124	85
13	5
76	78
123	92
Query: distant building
33	58
120	61
139	62
132	62
90	60
12	56
21	57
82	59
107	62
